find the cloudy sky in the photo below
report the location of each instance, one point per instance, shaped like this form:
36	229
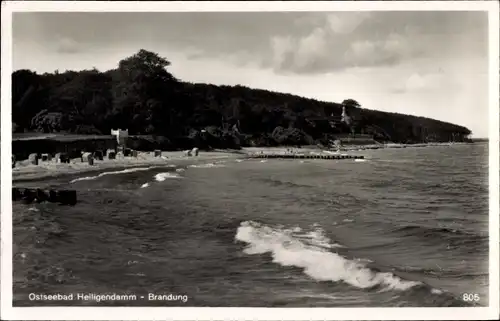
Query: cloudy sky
432	64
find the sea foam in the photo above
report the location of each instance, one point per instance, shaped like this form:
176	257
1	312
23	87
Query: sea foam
160	177
314	258
208	165
129	170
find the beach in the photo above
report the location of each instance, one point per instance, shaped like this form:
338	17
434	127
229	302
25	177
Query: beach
24	171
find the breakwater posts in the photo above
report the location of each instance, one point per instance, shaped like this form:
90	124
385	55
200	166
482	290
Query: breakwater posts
294	156
30	195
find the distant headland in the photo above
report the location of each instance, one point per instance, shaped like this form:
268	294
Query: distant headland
143	97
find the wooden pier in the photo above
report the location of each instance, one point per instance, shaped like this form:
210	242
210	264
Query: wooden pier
302	156
30	195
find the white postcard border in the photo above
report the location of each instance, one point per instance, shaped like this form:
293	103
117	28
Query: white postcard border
159	313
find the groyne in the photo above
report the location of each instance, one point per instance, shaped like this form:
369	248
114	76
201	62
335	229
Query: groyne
38	195
302	156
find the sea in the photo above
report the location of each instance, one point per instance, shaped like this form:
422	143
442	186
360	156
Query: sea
404	227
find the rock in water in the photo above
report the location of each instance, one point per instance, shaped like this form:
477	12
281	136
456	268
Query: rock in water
41	195
67	197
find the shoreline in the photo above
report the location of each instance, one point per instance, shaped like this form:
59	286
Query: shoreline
313	149
49	170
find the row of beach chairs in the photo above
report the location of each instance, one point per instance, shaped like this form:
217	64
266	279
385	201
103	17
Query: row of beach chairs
90	157
86	157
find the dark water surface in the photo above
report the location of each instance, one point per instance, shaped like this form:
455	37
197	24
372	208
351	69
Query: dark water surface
406	227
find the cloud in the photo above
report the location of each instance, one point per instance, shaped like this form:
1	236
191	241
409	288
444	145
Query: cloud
339	43
286	42
344	24
428	83
344	40
67	45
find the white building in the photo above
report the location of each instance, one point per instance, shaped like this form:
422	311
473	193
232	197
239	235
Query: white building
345	118
121	136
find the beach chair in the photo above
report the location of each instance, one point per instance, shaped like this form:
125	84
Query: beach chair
33	159
111	154
88	158
62	158
98	155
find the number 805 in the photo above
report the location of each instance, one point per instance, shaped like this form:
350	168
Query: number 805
468	297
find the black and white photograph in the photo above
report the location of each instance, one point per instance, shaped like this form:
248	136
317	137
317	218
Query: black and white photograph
250	158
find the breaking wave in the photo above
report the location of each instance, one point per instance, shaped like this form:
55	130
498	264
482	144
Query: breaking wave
208	165
129	170
311	252
160	177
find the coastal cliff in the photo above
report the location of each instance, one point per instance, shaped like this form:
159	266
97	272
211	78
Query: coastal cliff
144	97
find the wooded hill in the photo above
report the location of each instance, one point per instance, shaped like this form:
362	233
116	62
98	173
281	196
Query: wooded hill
144	97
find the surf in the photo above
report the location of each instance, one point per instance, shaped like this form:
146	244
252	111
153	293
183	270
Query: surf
160	177
315	257
208	165
129	170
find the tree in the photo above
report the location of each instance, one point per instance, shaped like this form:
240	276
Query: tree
143	96
49	122
141	90
86	96
351	103
27	97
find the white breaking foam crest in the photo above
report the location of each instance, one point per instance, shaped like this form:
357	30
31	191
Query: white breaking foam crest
360	160
317	261
160	177
144	185
129	170
209	165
